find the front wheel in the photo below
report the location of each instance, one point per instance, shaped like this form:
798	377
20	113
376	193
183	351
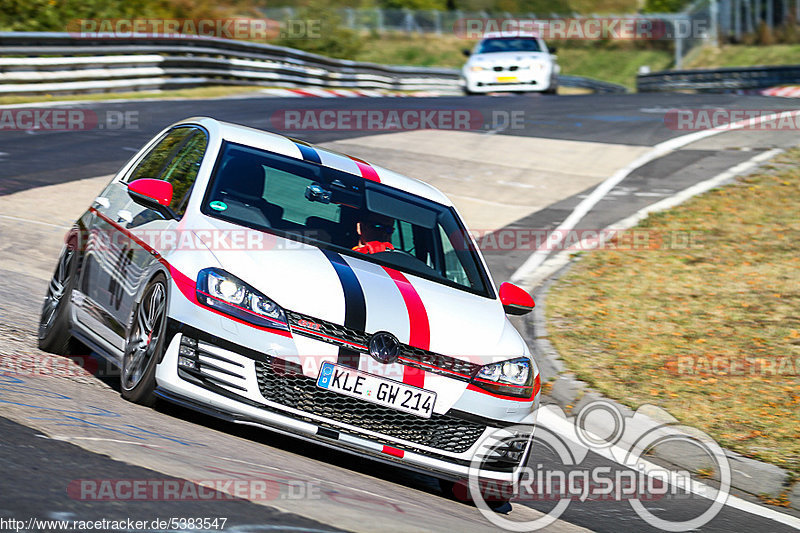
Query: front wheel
145	344
54	323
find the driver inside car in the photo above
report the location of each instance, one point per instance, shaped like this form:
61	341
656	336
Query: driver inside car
374	234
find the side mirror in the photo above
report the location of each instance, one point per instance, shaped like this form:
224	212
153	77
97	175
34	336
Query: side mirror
466	53
516	301
553	50
153	194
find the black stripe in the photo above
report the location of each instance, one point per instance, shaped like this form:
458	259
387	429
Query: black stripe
355	306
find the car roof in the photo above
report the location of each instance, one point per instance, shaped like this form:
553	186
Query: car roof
517	34
280	144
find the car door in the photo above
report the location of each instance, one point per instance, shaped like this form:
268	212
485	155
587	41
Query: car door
180	156
98	274
120	264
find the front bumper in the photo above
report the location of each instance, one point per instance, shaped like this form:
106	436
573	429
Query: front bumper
520	80
250	387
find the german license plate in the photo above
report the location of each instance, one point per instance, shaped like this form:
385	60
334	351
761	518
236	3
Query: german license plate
506	79
381	391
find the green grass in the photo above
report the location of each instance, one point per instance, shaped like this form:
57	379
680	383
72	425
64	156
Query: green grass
616	64
708	331
742	55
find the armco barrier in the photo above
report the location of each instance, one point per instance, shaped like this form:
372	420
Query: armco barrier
718	80
35	63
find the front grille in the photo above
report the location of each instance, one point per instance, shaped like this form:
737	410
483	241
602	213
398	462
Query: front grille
292	389
322	327
409	355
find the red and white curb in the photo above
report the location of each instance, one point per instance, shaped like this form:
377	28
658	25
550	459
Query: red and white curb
792	91
314	92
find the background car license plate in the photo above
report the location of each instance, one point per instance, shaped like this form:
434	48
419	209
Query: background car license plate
377	390
506	79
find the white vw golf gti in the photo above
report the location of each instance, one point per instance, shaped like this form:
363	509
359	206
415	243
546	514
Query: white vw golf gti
266	281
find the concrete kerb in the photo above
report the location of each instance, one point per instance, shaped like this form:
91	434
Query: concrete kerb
570	394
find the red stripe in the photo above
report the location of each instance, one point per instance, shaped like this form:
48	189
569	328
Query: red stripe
367	172
185	284
388	450
305	93
537	385
418	323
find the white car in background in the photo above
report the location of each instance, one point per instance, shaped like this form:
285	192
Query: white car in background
518	63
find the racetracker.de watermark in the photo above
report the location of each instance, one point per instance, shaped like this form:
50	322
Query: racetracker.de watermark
732	119
56	119
742	365
173	489
515	239
582	29
247	29
488	241
395	119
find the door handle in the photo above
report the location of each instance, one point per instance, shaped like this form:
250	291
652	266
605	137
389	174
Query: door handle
123	215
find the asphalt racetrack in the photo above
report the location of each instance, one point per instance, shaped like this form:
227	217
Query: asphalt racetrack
530	162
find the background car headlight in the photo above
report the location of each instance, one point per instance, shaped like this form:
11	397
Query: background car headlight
478	68
228	294
534	65
510	378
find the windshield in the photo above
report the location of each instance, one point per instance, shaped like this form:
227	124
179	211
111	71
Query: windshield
489	46
333	209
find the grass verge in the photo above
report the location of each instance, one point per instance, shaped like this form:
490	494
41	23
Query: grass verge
615	64
742	55
709	330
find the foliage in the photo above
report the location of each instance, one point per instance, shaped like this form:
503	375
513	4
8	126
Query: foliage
326	35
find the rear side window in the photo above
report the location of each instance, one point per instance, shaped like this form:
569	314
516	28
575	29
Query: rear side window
176	159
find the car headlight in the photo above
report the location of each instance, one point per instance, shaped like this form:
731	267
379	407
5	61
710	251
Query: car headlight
228	294
478	68
510	378
533	66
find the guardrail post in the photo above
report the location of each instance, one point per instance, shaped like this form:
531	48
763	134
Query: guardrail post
737	19
770	13
714	14
748	17
378	20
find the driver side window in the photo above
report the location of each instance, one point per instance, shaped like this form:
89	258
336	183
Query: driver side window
176	159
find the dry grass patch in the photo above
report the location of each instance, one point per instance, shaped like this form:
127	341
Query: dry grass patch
710	331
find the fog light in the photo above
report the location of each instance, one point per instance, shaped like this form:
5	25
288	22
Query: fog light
186	362
188	351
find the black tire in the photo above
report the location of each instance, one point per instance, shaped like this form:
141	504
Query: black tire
54	321
145	344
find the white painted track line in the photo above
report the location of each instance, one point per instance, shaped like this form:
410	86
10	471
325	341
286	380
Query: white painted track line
548	418
536	259
555	263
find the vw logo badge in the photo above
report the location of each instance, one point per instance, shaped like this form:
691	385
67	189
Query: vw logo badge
384	347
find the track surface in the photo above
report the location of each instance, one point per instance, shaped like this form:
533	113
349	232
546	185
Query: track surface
35	159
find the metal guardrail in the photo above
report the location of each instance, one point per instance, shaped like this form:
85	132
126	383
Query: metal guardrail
718	80
35	63
589	83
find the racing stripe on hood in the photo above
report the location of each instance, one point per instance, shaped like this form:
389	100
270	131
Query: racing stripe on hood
420	336
355	305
